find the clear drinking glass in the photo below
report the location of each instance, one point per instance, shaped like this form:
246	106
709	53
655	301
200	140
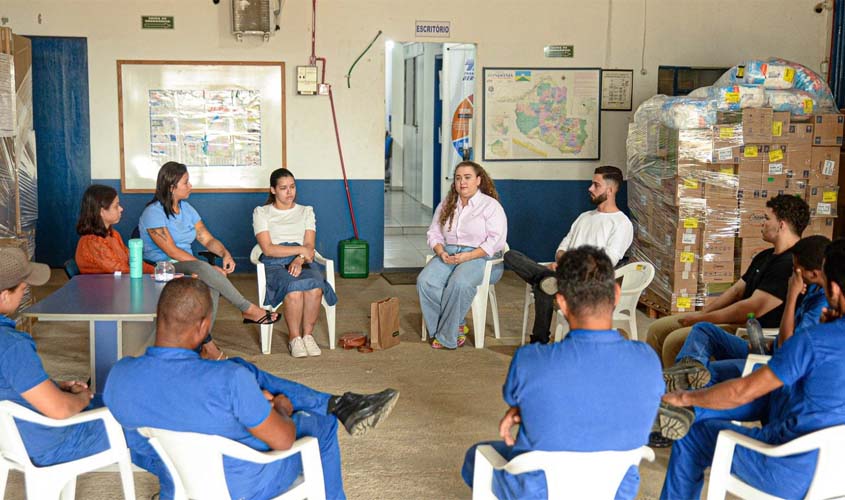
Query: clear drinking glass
164	271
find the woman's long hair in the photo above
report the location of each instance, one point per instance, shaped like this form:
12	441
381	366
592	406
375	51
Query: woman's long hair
274	178
168	176
95	198
487	187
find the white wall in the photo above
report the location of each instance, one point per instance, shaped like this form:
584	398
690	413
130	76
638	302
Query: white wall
508	33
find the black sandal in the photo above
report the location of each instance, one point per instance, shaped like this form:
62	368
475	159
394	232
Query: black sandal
267	319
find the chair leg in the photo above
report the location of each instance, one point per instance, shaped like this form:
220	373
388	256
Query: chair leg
331	313
4	476
479	315
126	477
266	338
525	307
494	310
38	486
632	322
423	330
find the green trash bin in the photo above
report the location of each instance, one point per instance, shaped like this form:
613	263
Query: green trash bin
354	258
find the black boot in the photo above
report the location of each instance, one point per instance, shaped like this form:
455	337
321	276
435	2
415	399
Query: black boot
360	412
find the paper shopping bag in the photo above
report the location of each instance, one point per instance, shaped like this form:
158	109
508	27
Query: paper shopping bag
384	323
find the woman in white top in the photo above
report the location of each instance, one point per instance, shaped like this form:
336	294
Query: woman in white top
286	233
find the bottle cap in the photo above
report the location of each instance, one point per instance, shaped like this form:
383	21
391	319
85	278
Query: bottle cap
750	316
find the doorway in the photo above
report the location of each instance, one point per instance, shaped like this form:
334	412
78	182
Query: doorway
428	121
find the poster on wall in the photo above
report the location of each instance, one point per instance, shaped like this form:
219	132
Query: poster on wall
617	89
541	114
460	59
223	120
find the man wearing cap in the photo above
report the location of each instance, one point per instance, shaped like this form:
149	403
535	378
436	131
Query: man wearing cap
24	381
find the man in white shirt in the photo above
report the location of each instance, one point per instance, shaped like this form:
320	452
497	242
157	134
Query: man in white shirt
606	227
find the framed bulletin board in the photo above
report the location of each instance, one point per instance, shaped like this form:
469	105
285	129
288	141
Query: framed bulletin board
541	114
224	120
617	89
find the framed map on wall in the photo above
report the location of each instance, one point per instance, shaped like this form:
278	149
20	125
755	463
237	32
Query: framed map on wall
224	120
541	114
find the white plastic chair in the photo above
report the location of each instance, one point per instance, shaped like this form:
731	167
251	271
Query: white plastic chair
636	277
827	479
594	475
479	304
59	481
195	462
267	330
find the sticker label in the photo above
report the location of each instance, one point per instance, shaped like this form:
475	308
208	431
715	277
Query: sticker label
777	129
683	302
690	184
725	154
740	71
776	155
829	196
823	209
691	223
731	97
808	106
788	75
750	152
688	239
726	132
687	257
775	168
726	170
828	167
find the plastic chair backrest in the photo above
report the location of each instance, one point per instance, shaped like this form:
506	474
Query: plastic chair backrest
636	277
11	443
579	474
827	481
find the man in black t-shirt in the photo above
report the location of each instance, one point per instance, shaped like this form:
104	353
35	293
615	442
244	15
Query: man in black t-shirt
761	290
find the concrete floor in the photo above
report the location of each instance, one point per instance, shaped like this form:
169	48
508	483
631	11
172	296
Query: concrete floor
449	400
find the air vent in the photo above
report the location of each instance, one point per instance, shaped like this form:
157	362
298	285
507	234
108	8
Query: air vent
252	17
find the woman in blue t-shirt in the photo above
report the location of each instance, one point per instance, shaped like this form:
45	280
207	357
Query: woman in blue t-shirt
168	227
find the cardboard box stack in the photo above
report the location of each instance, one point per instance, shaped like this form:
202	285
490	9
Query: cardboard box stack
18	174
700	172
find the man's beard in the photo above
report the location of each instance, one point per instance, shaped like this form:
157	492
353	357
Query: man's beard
598	200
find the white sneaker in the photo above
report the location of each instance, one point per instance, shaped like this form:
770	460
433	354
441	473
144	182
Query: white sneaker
297	348
311	346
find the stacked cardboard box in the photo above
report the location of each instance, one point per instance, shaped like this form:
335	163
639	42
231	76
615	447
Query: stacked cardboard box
18	173
698	196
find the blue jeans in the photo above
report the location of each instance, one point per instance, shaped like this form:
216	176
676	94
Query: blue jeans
787	477
707	340
532	485
446	292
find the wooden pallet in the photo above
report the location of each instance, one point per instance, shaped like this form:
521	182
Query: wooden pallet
653	305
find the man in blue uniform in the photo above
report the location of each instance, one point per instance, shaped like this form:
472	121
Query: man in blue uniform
24	381
233	399
568	396
806	376
693	368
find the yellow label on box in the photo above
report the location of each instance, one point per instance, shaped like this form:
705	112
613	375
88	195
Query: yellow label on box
788	74
750	152
690	183
808	106
683	302
740	71
687	257
726	132
726	170
691	223
777	129
829	196
731	97
776	155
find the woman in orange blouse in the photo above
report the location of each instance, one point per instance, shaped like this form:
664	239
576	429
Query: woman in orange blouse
101	249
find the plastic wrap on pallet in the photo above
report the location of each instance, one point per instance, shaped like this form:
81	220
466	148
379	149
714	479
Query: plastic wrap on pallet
688	113
27	173
779	74
7	95
823	200
732	97
8	192
650	110
796	102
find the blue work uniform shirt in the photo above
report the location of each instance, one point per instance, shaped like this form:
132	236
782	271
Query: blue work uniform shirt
175	389
20	371
182	228
594	391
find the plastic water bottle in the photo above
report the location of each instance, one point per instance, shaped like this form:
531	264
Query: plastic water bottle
755	335
136	258
165	271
